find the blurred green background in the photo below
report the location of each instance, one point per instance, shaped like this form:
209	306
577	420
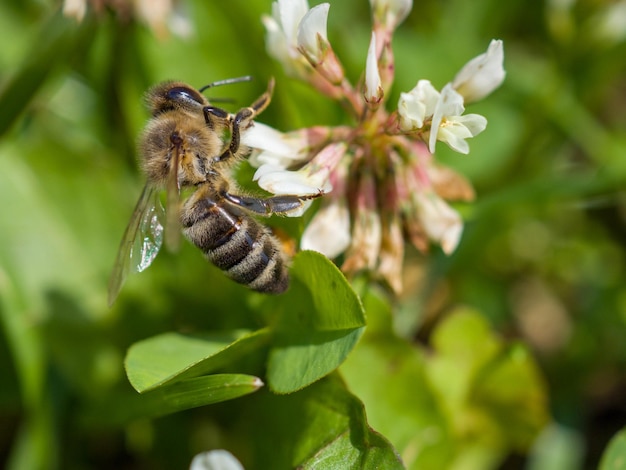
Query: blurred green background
542	255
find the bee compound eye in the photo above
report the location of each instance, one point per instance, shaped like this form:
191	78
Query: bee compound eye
184	95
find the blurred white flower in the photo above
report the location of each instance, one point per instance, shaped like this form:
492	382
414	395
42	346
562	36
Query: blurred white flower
391	12
449	126
159	15
609	24
312	40
75	9
481	75
282	33
366	227
215	460
441	223
329	230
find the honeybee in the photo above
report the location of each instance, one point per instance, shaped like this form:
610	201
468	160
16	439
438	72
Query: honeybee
188	143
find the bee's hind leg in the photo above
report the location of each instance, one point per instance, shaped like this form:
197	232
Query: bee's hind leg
281	205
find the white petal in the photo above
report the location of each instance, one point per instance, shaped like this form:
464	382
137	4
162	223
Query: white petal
282	32
215	460
392	12
264	137
373	87
274	147
290	13
441	223
458	128
312	27
295	182
481	75
329	230
450	103
314	175
455	137
275	40
417	105
75	9
475	123
266	169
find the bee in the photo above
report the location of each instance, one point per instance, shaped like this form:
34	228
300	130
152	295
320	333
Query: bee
188	145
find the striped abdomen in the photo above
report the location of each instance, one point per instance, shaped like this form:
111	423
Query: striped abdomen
237	244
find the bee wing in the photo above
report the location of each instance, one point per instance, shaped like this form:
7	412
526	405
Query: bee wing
141	241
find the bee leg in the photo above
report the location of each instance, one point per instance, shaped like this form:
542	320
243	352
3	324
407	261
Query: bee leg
280	205
243	119
210	112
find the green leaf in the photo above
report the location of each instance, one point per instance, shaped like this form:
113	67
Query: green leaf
35	439
337	306
172	357
184	395
322	426
342	453
614	457
464	345
388	374
320	320
491	390
466	404
307	356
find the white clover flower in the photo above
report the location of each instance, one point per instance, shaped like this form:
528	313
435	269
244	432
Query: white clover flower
75	9
373	87
383	185
417	105
215	460
609	24
274	148
449	126
441	223
481	75
311	39
306	181
329	230
313	178
391	12
282	33
367	228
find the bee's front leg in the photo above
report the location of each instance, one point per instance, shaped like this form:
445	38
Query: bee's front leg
243	119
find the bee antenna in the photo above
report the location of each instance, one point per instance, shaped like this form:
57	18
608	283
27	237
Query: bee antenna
227	81
222	100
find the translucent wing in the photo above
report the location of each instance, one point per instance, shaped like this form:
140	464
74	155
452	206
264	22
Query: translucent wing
141	241
147	245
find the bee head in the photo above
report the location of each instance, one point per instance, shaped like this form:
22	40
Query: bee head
168	96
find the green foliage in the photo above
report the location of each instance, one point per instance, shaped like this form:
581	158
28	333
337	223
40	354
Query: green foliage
320	426
318	322
464	404
514	345
615	456
191	393
172	357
